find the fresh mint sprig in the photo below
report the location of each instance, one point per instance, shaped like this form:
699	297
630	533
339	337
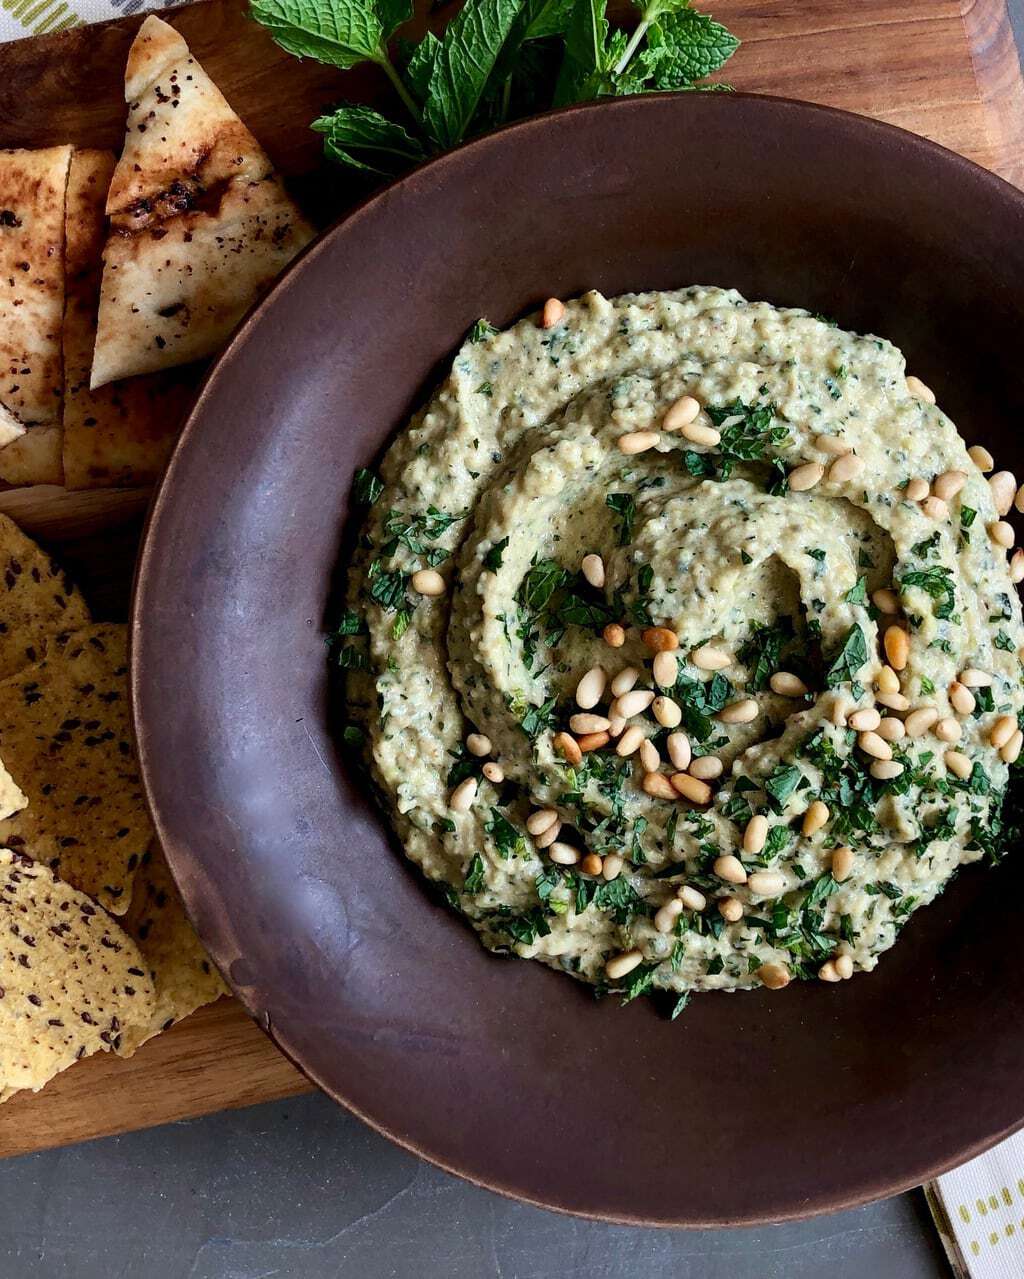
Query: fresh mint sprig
495	61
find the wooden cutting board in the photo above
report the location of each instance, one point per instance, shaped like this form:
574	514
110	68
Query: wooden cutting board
944	68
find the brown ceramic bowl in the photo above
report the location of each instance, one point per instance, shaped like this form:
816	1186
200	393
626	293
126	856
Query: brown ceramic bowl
751	1107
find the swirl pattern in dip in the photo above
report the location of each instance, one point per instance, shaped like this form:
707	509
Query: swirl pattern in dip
813	552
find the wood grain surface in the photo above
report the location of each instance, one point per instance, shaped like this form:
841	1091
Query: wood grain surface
947	69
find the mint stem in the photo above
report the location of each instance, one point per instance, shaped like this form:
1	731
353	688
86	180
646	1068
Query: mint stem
631	48
386	65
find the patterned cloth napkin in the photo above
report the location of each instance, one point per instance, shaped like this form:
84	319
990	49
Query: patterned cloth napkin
979	1210
20	18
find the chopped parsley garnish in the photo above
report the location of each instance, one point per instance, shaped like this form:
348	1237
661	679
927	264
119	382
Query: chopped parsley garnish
624	505
852	655
748	431
781	784
937	582
492	559
481	331
679	1005
412	531
474	880
699	701
639	982
762	652
525	928
1003	641
366	487
384	588
507	840
700	465
538	718
858	594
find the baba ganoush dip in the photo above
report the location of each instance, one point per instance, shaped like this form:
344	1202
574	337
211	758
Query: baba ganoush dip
683	644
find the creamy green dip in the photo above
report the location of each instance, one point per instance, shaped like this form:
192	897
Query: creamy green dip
513	473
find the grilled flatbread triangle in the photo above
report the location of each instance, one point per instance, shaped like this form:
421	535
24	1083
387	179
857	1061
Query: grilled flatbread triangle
200	224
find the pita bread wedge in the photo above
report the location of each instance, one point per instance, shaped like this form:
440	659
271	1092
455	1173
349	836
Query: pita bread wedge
200	225
37	601
32	187
120	434
71	981
181	972
64	738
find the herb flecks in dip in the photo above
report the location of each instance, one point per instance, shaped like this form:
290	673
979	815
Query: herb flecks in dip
684	644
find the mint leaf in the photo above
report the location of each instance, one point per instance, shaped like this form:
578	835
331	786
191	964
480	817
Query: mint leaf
851	657
366	486
364	139
420	65
462	66
541	18
586	55
686	46
392	13
340	33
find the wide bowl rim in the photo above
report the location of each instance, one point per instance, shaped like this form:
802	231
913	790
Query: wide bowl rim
869	1190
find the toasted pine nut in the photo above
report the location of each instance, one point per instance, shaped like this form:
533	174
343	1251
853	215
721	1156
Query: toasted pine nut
698	433
624	680
1011	751
886	601
894	701
681	413
744	711
637	441
1003	486
774	976
885	769
463	795
845	468
691	788
563	854
935	508
612	867
875	746
832	444
593	741
493	772
981	457
427	581
919	390
805	477
546	838
478	744
787	684
888	681
539	820
650	759
658	785
756	833
916	489
920	720
961	698
865	720
1018	501
948	484
1001	732
730	869
827	972
691	898
591	864
897	647
590	689
1017	566
630	740
665	668
659	639
842	863
614	635
1001	532
587	722
567	746
814	819
623	963
948	729
766	883
838	711
679	752
710	659
958	763
973	678
731	909
844	966
891	729
592	568
553	311
632	703
665	918
666	712
707	768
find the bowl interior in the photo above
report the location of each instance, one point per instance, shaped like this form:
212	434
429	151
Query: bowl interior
754	1107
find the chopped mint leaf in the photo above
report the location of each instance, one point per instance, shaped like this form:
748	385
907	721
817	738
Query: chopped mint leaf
492	559
366	487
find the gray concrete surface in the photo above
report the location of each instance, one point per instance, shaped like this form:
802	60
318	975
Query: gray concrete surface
301	1190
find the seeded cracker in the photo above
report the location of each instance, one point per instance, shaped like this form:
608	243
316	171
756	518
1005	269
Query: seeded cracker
36	600
183	977
64	738
71	981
